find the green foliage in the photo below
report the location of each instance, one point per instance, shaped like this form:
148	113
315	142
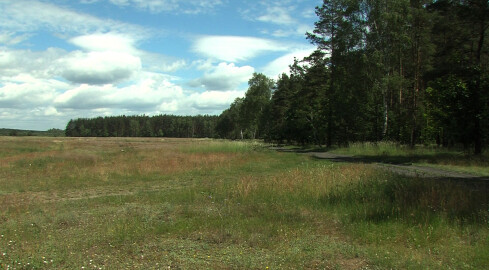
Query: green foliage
406	71
247	118
17	132
200	126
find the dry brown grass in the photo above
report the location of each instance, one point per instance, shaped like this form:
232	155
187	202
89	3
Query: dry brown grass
315	182
101	161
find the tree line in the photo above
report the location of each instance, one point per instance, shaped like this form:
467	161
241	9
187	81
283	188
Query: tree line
410	71
199	126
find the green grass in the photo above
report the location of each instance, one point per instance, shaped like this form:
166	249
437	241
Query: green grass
222	146
205	204
431	156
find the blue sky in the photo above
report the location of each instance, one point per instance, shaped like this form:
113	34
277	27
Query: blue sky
65	59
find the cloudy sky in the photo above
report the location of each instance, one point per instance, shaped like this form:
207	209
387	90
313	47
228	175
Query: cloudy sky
66	59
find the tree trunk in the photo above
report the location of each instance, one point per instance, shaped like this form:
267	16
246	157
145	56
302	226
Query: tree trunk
417	78
386	116
477	109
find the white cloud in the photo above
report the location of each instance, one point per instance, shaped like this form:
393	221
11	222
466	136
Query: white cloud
235	48
123	43
6	58
26	91
284	17
277	15
281	64
214	100
10	38
30	16
38	64
106	42
39	118
152	94
160	63
51	111
224	77
99	67
159	6
147	93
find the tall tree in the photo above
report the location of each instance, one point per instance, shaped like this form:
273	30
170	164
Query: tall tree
339	34
229	123
255	102
279	106
458	92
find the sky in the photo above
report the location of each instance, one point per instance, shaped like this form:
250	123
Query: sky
68	59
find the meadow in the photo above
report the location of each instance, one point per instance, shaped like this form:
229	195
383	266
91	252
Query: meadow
153	203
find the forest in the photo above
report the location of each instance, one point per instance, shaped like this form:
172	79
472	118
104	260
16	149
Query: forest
201	126
406	71
412	72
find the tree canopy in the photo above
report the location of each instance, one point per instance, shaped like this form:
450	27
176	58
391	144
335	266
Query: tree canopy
407	71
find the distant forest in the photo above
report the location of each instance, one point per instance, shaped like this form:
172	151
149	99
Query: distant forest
19	132
412	72
200	126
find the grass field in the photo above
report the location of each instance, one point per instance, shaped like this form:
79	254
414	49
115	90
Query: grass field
115	203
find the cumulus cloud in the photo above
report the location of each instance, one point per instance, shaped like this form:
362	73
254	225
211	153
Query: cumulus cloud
123	43
235	48
153	93
214	100
40	64
99	67
223	77
150	91
25	91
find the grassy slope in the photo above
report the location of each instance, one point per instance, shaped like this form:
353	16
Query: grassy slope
197	204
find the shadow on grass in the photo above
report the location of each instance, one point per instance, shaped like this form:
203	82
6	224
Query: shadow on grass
414	200
393	156
436	158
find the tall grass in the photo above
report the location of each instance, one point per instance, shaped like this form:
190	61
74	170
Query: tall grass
222	146
386	148
431	156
